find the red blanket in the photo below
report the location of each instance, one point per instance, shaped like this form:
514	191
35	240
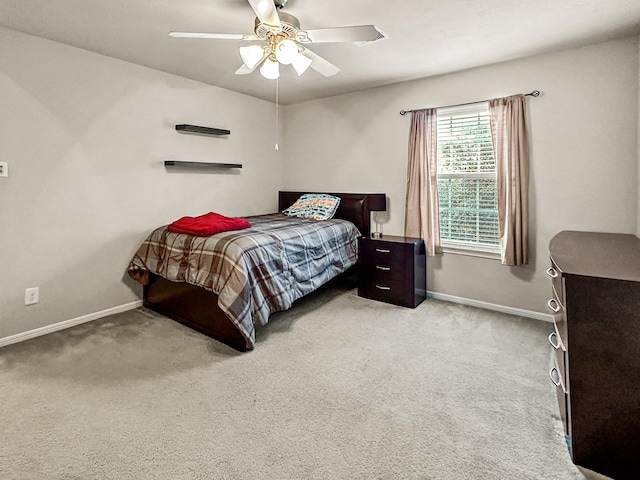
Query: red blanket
208	224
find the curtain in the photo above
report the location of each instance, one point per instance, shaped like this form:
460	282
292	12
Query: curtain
421	210
511	148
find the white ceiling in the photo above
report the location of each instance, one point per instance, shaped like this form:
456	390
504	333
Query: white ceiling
427	37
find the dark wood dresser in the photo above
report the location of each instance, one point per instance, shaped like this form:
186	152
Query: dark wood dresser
392	269
596	305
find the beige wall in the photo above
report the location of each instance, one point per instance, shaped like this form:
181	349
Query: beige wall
584	165
85	137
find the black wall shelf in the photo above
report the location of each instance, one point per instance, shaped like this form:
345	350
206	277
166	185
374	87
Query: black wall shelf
202	130
179	163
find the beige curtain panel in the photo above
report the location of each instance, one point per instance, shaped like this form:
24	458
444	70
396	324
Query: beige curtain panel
421	211
511	148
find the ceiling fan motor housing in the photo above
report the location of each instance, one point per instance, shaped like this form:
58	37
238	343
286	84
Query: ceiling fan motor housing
290	26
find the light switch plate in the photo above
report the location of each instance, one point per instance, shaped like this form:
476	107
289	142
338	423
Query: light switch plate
4	169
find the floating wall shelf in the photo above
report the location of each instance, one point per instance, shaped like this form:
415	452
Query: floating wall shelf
179	163
202	130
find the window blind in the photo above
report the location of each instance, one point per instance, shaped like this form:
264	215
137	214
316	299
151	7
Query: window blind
467	178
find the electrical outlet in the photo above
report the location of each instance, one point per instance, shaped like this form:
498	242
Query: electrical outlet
31	295
4	169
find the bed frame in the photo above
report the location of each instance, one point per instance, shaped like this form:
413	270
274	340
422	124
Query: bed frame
197	308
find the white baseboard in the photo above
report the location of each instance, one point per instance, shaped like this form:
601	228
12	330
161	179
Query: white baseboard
21	337
492	306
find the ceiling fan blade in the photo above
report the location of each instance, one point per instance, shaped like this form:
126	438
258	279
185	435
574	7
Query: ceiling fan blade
357	34
216	36
244	70
319	64
266	11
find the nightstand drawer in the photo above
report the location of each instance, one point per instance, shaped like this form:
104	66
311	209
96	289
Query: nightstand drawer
384	254
384	291
381	273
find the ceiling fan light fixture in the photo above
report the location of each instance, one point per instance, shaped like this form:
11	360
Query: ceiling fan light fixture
301	63
277	39
286	51
251	55
270	69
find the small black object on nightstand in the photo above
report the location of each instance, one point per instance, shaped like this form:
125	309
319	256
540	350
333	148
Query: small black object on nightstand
392	269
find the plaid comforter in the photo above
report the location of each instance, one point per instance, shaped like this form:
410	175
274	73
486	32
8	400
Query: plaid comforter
256	271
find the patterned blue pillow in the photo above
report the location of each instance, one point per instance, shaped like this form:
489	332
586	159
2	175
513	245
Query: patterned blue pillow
318	206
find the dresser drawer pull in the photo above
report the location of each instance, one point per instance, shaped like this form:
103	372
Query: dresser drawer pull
383	250
552	272
553	371
384	269
553	340
380	287
556	308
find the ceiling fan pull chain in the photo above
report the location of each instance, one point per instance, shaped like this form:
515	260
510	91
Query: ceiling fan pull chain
277	111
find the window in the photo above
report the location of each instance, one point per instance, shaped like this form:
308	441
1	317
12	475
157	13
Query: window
467	179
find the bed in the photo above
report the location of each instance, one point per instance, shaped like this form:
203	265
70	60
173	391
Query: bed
181	273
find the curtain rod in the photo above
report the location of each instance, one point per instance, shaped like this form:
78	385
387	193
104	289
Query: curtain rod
535	93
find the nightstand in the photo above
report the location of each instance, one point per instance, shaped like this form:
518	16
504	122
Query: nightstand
392	269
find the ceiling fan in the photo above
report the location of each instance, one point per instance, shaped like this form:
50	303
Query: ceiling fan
278	39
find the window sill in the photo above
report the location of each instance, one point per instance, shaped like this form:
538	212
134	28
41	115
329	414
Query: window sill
471	252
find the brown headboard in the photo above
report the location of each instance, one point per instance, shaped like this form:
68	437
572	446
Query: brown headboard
355	207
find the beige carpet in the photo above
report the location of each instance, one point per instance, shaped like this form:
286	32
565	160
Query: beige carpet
338	387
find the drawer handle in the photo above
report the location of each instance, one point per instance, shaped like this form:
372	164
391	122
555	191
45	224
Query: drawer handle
552	273
551	304
553	340
383	250
384	269
553	380
381	287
